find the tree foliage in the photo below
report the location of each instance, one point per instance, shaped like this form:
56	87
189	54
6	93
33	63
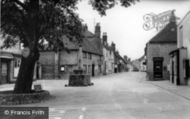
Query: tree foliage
31	22
47	18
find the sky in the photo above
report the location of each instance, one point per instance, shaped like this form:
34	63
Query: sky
124	25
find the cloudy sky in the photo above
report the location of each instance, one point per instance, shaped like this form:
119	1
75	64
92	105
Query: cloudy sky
124	25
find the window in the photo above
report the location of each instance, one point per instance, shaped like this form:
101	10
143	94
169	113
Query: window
17	63
84	55
85	68
89	68
100	58
100	68
89	56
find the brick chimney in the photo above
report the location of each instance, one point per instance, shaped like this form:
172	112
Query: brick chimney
98	30
104	37
173	17
113	46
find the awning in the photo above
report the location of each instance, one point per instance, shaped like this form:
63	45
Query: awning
6	55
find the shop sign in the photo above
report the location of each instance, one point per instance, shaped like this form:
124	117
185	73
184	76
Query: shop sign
157	21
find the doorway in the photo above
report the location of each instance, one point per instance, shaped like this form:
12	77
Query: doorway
93	73
158	67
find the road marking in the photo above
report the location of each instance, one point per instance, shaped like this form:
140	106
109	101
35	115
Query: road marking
57	118
84	108
62	111
81	117
52	109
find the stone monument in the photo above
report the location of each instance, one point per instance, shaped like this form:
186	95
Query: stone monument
79	77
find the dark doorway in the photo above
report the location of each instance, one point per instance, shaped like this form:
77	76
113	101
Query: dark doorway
37	71
172	71
158	67
93	66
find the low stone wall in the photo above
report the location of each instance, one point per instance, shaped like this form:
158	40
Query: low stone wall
7	98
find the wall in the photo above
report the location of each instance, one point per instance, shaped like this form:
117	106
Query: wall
183	36
159	50
68	62
97	61
47	61
108	61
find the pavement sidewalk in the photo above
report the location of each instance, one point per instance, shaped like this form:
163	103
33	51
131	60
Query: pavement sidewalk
181	90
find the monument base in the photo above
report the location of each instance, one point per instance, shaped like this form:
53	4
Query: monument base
79	78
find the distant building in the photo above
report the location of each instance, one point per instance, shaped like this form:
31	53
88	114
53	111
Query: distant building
120	63
136	64
142	61
157	52
108	56
179	58
61	64
10	60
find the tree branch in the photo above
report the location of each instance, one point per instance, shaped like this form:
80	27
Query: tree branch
21	4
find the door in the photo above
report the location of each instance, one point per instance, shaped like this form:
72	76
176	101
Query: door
158	68
93	66
172	71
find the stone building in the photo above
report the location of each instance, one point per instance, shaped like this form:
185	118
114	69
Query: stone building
157	52
61	64
10	60
108	56
179	58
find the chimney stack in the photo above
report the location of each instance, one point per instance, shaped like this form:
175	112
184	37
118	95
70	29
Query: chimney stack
173	17
98	30
113	46
104	37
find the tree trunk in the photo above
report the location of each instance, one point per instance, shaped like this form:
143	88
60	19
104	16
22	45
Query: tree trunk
25	77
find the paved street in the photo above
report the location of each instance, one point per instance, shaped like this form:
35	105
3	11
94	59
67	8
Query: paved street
116	96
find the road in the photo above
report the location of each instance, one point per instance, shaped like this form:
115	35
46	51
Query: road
116	96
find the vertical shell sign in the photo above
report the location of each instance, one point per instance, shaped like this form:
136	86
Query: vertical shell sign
157	21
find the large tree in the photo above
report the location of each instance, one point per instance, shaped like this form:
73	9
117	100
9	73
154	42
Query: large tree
33	21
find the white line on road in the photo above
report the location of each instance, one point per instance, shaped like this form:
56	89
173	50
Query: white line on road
51	109
57	118
62	111
81	117
84	108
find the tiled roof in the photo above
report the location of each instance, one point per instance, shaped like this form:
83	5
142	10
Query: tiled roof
166	35
96	42
119	57
88	45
